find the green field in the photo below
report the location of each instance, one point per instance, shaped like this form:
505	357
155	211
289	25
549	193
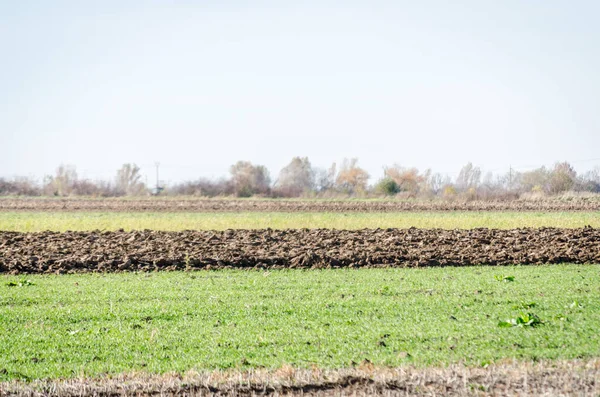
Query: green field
90	325
62	221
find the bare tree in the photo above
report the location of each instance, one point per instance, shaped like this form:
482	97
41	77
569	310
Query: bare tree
128	180
249	179
351	178
61	184
468	178
325	178
436	182
590	181
497	187
296	178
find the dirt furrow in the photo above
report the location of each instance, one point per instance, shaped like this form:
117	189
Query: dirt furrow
103	251
228	205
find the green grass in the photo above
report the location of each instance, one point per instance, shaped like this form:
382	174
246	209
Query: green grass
89	324
61	221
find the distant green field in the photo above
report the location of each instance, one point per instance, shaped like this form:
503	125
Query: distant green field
61	221
87	325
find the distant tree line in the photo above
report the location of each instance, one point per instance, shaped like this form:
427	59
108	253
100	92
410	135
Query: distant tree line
300	179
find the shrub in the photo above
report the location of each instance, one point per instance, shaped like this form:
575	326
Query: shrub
387	186
449	192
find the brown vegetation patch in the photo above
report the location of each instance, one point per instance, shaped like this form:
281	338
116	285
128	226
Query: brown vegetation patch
575	377
224	205
98	251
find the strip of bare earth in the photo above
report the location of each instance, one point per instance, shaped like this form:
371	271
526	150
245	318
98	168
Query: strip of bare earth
232	205
547	378
96	251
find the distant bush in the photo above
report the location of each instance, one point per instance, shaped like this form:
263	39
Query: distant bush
387	186
203	188
19	186
87	188
537	189
449	192
471	194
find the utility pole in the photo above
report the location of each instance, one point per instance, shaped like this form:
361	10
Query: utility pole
510	177
157	164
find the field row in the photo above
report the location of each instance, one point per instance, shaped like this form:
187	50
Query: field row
51	252
254	205
176	221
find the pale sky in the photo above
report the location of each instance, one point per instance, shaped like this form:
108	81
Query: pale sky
199	85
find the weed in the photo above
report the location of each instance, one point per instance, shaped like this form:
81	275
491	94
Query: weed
187	260
21	283
575	305
385	291
525	305
523	320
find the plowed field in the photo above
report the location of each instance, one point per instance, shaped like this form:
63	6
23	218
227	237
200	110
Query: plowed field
52	252
220	205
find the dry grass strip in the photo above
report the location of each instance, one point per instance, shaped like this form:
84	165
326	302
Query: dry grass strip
549	378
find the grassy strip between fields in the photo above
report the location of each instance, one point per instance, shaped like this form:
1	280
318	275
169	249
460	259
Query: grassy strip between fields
91	325
62	221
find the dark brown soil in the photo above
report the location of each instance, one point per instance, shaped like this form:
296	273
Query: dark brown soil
96	251
221	205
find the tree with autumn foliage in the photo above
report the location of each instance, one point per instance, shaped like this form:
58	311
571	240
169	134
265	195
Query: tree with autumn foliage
407	179
351	178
